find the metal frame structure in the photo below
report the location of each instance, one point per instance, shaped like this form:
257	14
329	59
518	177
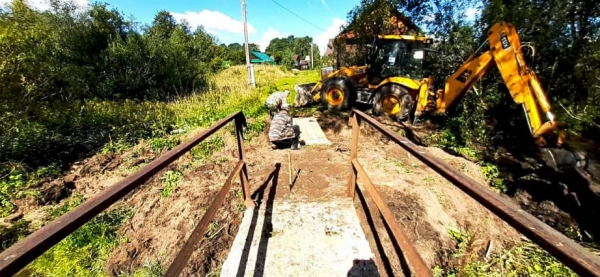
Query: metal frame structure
18	256
560	246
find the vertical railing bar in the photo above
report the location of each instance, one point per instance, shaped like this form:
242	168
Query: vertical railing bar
353	155
240	122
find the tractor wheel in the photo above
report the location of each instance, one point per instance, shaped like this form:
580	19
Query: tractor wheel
336	94
394	101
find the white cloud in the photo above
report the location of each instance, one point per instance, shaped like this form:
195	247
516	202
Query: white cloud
44	5
213	22
268	35
333	30
472	13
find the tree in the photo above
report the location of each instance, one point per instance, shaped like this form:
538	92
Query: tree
55	64
285	49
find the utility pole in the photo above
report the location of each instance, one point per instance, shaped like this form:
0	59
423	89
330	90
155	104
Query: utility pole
251	80
312	58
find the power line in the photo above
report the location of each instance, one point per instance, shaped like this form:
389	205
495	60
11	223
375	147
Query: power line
299	17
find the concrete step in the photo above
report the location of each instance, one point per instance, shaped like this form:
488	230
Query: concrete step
311	132
288	238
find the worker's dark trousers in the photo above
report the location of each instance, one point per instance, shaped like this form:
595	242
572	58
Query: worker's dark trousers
293	143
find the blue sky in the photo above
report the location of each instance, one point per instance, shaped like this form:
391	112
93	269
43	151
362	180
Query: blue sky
223	18
266	19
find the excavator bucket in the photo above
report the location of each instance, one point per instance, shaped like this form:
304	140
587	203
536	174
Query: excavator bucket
304	96
561	159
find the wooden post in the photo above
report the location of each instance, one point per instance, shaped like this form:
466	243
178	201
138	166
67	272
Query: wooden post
290	167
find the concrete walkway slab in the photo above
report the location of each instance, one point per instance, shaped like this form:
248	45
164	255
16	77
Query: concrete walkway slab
283	238
311	131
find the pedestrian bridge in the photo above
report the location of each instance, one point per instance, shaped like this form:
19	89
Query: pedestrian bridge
285	232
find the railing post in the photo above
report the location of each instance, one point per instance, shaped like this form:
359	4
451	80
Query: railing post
240	122
353	154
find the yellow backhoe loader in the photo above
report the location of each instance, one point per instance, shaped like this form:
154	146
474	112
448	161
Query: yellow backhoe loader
395	85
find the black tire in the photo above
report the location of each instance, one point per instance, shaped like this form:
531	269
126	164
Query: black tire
341	94
399	95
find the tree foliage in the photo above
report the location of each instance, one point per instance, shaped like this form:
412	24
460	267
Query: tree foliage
236	53
57	66
284	50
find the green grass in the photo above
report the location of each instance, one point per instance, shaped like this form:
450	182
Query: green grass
302	77
84	252
170	180
150	269
206	148
494	178
17	182
523	259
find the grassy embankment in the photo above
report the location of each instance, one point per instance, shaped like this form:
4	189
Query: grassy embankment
159	125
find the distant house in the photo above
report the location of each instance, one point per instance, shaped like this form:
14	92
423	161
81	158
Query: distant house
302	64
260	58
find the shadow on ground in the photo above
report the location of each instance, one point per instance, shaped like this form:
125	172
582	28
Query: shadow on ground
361	268
267	226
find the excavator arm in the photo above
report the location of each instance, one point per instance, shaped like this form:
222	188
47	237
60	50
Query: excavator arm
522	82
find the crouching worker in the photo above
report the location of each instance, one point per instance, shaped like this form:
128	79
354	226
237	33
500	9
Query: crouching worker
276	100
281	131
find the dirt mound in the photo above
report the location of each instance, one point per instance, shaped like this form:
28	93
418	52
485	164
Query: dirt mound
165	210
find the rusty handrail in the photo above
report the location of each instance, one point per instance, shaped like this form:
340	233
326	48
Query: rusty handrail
18	256
415	261
413	257
560	246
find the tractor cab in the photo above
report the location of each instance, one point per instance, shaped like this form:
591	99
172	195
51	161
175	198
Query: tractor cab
397	56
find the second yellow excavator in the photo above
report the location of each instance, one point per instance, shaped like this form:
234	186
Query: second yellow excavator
395	85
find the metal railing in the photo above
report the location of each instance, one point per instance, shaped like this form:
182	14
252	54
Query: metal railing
561	247
18	256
